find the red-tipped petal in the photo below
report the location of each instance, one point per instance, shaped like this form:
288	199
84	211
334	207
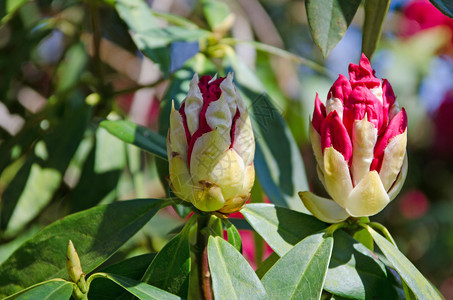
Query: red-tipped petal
319	114
340	89
363	73
396	126
362	101
388	97
333	133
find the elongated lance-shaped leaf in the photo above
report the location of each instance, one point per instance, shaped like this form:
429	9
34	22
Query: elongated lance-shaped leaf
137	135
301	272
170	269
55	289
234	238
232	276
96	233
375	14
328	21
139	289
419	285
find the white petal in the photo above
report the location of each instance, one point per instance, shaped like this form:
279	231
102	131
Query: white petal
315	139
232	95
393	159
177	141
324	209
364	137
193	106
228	173
207	151
244	140
377	91
396	188
336	175
368	197
218	115
334	104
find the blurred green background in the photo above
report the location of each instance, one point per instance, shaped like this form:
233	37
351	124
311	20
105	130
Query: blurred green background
66	65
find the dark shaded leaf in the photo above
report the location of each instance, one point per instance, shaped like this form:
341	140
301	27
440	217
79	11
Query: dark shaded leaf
56	289
445	6
375	14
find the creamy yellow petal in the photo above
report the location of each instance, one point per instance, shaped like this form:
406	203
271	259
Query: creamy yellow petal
324	209
364	137
396	188
249	179
393	159
334	104
218	116
368	197
228	173
208	197
336	176
207	151
194	103
180	179
177	142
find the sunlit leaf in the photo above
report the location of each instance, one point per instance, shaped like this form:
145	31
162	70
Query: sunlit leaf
232	276
301	272
421	287
137	135
138	289
234	238
56	289
96	233
329	20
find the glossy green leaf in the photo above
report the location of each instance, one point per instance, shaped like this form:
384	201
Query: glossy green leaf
132	268
215	11
96	233
232	276
375	14
280	227
445	6
329	20
138	289
170	268
301	272
421	287
55	289
364	237
137	135
234	238
354	271
278	163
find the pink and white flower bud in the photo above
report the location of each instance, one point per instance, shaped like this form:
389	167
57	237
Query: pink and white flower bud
359	139
211	146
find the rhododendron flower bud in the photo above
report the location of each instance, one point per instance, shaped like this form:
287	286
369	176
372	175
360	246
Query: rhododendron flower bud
359	139
211	146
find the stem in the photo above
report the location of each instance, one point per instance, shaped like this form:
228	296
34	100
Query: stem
202	259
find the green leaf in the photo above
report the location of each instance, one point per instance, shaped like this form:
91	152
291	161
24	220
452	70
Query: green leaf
354	271
132	268
329	20
278	163
267	264
445	6
149	37
170	268
232	276
301	272
71	69
421	287
137	135
375	14
8	8
56	289
215	12
364	237
234	238
280	227
138	289
96	233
